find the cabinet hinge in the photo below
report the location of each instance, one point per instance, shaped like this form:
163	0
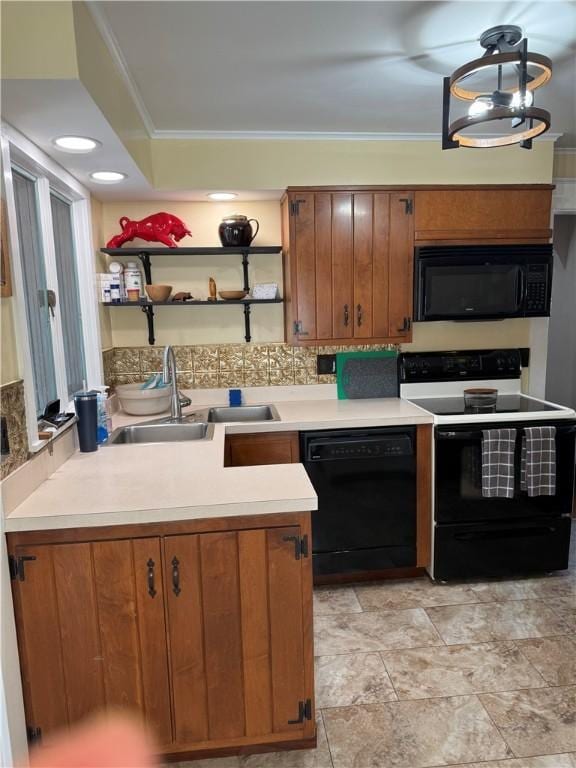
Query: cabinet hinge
34	735
16	565
304	712
300	545
297	328
408	205
295	207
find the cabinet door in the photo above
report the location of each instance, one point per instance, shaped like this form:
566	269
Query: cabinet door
371	265
363	264
446	214
342	267
322	280
91	634
258	449
237	637
304	277
401	265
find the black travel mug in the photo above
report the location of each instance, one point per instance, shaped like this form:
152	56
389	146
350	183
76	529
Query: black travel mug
86	404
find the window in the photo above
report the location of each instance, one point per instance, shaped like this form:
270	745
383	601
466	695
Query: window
69	296
35	290
52	256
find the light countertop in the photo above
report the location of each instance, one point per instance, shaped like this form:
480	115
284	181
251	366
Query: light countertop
178	481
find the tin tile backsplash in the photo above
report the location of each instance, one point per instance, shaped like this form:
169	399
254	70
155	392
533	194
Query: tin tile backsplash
12	407
225	365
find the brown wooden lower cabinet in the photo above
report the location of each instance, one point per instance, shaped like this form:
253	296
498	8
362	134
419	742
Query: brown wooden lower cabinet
244	450
202	627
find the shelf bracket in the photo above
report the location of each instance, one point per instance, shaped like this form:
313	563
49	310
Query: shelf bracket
149	312
144	257
247	335
245	270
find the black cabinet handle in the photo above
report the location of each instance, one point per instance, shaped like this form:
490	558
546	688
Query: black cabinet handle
151	588
359	314
406	325
346	315
176	576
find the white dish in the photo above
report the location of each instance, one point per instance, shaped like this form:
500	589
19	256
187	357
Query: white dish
143	402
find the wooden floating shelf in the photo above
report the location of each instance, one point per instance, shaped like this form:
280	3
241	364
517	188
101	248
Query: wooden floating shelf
193	303
145	252
206	251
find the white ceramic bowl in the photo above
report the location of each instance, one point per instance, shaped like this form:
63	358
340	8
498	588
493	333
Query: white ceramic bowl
143	402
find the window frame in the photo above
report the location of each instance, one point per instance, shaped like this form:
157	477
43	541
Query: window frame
17	150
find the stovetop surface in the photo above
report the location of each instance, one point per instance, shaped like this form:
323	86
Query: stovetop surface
454	406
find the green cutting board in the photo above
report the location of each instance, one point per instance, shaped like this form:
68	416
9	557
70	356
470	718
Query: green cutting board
361	375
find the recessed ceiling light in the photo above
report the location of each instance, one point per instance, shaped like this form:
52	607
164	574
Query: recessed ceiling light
78	144
107	177
222	195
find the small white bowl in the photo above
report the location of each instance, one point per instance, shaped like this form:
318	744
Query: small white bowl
143	402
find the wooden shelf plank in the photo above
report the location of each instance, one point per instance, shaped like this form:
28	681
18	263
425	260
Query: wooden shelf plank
193	303
200	251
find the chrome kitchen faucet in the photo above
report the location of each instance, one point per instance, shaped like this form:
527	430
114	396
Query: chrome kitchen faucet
170	376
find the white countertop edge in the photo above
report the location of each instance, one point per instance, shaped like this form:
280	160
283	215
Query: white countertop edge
234	428
137	517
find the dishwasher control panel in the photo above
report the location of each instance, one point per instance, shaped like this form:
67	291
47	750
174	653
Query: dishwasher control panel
366	447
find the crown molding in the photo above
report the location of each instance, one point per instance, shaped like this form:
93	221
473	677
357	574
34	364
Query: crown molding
309	136
118	57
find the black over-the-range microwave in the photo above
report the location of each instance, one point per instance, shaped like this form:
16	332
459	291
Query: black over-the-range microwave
482	282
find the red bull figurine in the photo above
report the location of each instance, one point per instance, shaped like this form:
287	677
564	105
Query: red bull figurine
161	227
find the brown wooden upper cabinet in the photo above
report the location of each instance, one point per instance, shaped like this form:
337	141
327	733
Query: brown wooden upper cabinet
348	265
513	213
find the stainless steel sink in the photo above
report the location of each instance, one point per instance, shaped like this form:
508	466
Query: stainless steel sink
243	413
167	432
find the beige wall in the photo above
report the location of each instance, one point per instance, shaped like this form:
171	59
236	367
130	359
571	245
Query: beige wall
565	164
38	40
8	357
184	164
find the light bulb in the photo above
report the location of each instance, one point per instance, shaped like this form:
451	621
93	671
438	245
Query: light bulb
222	195
528	99
79	144
480	106
107	177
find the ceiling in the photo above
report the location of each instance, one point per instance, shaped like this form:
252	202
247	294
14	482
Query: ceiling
320	66
282	69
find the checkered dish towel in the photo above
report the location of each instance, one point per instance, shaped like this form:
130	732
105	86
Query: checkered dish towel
498	447
538	461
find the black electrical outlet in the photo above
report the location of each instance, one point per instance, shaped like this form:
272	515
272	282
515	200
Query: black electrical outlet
326	364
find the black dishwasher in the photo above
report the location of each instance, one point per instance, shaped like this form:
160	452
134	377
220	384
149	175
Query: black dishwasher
365	480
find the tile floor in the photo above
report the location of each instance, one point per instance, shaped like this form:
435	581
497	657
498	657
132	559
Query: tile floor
416	675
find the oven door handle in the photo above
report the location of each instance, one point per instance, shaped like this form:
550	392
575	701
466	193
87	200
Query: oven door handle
452	435
500	533
477	435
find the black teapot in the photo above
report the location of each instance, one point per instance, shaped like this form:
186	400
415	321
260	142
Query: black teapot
236	230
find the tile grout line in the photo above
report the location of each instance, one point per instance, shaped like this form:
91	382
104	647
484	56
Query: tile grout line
548	685
495	726
435	627
327	739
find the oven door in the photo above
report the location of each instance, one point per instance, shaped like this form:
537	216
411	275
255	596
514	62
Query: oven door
458	474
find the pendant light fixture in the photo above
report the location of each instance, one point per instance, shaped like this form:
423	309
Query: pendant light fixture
506	51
